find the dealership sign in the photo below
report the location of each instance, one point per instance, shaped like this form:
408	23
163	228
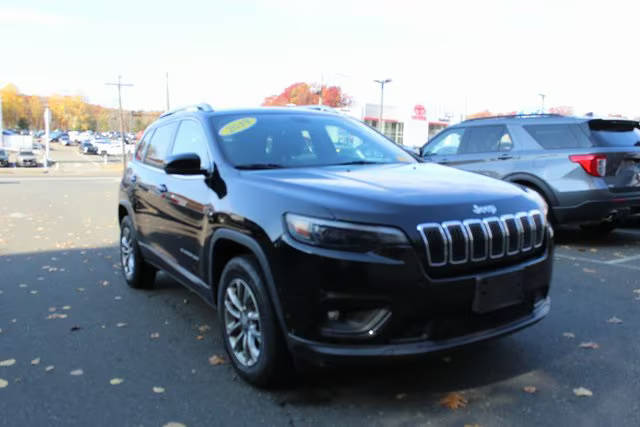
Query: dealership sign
419	112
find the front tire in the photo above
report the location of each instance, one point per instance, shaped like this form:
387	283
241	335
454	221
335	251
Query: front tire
249	326
137	273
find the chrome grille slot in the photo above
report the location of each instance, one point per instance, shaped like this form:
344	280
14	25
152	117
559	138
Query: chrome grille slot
476	239
458	241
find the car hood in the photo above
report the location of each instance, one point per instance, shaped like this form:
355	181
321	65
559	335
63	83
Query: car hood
419	192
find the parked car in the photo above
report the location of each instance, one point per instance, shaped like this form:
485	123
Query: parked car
112	148
26	158
4	158
325	255
586	169
86	147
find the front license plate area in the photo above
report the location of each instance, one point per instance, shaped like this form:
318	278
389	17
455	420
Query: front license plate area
496	292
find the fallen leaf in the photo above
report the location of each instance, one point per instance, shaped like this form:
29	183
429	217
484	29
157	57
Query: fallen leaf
614	320
52	309
529	389
75	328
568	335
204	328
3	383
35	361
158	389
80	289
118	297
8	362
401	396
216	360
589	344
57	316
104	283
121	324
116	381
588	270
593	250
49	368
154	335
446	359
453	400
33	292
582	392
66	307
174	424
199	337
22	285
77	372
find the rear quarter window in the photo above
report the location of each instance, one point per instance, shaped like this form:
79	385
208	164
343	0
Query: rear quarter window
559	136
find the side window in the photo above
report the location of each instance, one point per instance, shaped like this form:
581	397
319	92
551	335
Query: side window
142	145
159	145
191	139
485	139
558	136
446	143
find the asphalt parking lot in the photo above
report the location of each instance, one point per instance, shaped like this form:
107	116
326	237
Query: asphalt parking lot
78	347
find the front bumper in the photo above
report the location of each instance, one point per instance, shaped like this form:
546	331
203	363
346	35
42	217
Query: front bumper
322	353
419	313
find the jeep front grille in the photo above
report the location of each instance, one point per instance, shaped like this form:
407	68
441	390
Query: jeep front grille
474	240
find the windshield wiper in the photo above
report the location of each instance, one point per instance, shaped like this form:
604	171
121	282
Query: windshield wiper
359	162
257	166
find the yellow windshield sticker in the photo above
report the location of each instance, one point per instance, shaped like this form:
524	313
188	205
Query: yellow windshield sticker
237	125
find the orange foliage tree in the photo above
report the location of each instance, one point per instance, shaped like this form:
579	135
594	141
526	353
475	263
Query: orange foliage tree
303	94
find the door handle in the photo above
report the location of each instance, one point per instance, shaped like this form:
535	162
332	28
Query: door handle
505	157
162	188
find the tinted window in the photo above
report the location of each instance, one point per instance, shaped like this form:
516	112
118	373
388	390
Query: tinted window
606	133
142	145
558	136
484	139
191	139
292	140
159	145
446	143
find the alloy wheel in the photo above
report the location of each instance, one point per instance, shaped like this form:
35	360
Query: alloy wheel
127	257
242	322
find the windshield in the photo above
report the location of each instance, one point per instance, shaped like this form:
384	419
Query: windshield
255	141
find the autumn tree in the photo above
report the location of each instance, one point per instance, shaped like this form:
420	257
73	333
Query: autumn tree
303	94
12	106
563	110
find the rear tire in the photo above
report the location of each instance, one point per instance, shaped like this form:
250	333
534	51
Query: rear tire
137	273
249	326
601	228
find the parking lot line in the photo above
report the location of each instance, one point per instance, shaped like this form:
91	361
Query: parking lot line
625	259
597	261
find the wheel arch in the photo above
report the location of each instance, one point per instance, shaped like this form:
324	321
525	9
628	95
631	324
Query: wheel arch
227	244
535	183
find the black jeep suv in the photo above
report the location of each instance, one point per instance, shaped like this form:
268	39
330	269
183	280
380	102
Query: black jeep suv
318	238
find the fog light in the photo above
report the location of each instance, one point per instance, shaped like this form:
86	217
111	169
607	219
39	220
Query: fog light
333	315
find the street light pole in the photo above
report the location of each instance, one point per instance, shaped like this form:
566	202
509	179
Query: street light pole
542	97
382	83
120	84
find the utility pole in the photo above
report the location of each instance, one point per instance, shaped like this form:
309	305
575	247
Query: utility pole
542	97
167	82
47	121
120	85
382	83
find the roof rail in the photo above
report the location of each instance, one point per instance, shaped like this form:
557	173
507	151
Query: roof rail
196	107
516	116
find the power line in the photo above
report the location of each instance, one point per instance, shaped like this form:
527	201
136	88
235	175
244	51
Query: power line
120	85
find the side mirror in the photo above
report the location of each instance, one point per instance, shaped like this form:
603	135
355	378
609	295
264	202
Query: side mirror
184	164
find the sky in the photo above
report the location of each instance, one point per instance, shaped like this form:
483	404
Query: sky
462	56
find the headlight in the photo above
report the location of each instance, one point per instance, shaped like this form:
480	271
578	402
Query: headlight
342	235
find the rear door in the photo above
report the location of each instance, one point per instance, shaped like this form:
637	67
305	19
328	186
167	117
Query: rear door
189	202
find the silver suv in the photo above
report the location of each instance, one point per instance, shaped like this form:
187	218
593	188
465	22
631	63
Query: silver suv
587	169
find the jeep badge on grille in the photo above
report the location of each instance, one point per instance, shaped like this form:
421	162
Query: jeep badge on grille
486	209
